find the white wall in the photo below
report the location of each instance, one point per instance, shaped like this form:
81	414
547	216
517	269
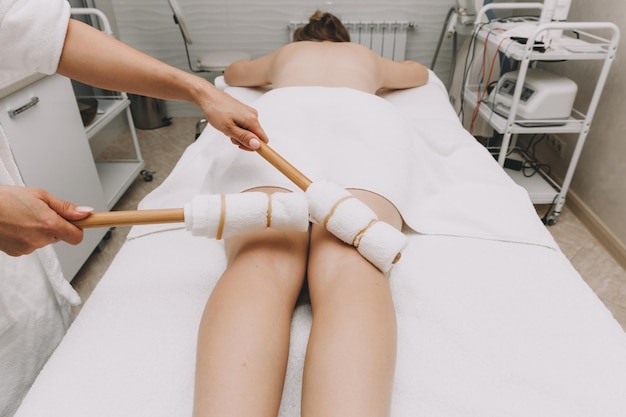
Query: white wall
260	26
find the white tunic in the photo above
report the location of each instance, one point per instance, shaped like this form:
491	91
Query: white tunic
34	309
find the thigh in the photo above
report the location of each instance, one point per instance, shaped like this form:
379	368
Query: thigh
351	353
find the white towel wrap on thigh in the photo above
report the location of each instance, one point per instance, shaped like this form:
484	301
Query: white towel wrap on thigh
349	219
222	216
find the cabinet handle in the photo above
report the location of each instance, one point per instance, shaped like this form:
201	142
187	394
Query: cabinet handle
31	103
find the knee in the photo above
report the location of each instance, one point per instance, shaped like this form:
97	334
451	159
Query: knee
332	263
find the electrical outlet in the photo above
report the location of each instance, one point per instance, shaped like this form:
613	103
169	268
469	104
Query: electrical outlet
557	144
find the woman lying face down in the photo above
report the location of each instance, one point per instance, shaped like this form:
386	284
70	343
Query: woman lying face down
322	55
243	341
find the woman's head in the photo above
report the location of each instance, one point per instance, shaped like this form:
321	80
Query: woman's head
322	27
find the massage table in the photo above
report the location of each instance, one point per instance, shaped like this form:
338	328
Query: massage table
493	320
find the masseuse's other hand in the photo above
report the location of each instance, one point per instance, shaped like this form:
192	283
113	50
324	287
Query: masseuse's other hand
236	120
32	218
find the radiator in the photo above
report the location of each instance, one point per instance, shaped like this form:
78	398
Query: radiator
387	39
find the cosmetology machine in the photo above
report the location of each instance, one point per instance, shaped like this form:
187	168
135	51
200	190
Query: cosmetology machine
546	98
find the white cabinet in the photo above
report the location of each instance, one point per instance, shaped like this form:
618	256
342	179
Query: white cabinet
92	165
581	41
113	141
50	147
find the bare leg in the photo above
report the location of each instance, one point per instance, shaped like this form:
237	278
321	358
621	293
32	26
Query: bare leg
352	348
243	342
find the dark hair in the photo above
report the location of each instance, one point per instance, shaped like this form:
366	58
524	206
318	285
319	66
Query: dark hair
322	26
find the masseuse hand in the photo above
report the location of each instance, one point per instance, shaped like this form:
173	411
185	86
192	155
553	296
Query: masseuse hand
236	120
32	218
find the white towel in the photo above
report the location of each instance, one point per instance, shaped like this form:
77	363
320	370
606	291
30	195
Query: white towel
223	216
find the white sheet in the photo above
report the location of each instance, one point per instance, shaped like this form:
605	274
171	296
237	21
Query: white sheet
452	170
487	327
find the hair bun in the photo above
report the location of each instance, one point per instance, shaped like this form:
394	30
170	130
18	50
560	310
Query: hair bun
322	26
318	16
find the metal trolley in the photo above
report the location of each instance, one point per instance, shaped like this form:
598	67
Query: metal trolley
586	44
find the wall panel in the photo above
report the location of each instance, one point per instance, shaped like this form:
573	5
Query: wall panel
260	26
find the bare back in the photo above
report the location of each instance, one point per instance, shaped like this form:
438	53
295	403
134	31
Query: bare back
327	64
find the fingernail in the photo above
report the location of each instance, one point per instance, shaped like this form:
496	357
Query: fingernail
254	143
84	209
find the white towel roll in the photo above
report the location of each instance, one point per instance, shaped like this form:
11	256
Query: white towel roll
290	211
382	245
227	215
349	219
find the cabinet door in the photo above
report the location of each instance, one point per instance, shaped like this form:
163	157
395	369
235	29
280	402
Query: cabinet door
50	147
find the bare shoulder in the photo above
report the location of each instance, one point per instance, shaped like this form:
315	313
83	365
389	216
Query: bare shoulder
402	74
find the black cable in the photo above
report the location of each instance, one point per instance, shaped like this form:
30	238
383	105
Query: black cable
189	60
185	43
466	70
531	148
443	32
530	168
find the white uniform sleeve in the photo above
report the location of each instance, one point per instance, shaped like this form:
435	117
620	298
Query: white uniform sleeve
32	33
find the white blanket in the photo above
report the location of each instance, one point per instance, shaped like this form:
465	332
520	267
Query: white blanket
486	326
482	332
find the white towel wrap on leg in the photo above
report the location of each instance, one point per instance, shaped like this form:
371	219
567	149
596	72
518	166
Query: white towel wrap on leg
222	216
355	223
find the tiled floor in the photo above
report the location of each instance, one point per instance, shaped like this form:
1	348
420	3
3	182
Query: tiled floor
601	272
161	148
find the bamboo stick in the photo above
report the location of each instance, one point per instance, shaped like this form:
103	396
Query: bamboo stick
283	166
131	218
157	216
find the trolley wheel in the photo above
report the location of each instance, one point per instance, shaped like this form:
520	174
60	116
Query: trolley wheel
102	243
200	125
147	175
552	219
